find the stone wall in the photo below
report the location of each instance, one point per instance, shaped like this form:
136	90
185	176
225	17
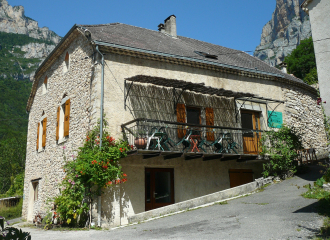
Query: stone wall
303	113
47	163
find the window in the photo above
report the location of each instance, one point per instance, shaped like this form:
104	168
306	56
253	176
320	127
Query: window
44	86
63	120
35	185
193	115
41	133
66	63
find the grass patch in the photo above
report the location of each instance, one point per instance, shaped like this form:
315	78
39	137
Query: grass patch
12	212
323	207
222	203
262	188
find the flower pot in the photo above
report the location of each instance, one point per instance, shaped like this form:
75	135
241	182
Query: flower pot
140	143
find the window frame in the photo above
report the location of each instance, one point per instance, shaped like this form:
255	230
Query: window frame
42	133
60	128
66	66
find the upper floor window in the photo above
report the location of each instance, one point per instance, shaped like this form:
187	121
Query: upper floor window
44	85
63	120
41	133
193	115
66	63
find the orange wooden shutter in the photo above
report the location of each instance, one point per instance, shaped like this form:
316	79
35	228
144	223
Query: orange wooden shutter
67	118
209	115
181	117
45	81
38	136
58	123
44	126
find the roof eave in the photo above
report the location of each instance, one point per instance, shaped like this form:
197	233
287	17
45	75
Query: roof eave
185	58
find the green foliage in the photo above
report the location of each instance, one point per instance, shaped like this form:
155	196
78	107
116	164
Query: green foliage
16	188
311	77
302	61
93	169
323	207
12	165
281	148
12	212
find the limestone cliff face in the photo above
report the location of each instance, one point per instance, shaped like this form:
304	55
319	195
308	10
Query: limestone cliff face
288	26
13	20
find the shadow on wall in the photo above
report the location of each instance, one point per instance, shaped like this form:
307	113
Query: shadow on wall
157	103
114	203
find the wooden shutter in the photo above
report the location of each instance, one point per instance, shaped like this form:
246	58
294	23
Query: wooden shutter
58	123
38	136
209	116
44	126
45	81
181	117
67	118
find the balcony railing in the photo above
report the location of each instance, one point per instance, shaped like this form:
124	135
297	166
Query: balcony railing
166	136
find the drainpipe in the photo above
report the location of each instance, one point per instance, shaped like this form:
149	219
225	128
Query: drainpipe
101	133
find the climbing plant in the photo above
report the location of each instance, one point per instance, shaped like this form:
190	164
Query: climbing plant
93	169
281	146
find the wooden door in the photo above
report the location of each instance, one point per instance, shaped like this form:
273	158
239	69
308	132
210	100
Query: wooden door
159	187
239	177
251	140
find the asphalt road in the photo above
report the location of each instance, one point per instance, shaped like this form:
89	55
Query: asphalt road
278	212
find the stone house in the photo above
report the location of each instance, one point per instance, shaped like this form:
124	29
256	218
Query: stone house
162	93
318	11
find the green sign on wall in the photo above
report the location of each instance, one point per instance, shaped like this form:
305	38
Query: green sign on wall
275	119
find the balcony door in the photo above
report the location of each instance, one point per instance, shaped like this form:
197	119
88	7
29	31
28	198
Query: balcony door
159	186
251	120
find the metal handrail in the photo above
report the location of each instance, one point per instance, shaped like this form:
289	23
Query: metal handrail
186	124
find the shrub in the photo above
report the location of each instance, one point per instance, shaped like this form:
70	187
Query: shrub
93	169
12	212
281	146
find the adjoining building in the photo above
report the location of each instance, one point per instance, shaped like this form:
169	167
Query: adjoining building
318	11
194	111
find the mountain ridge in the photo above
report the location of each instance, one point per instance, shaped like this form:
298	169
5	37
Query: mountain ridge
13	20
283	33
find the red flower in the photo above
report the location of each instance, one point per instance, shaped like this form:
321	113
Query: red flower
125	175
120	149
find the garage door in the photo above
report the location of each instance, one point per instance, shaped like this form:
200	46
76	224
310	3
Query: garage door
239	177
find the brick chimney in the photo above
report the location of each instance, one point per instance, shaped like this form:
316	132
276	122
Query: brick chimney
169	26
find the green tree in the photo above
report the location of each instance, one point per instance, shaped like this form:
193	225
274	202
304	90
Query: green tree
302	61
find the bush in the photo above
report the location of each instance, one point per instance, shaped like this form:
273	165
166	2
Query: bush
12	212
91	171
281	146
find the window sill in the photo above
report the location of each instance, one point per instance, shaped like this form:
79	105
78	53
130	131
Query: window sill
62	140
41	150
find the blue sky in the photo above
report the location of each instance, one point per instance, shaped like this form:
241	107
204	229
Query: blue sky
235	24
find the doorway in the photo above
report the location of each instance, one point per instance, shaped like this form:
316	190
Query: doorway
159	187
251	121
239	177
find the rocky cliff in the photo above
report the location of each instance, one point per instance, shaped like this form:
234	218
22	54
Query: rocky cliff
13	20
283	33
23	42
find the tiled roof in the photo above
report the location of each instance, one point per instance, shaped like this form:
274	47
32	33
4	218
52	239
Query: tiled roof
145	39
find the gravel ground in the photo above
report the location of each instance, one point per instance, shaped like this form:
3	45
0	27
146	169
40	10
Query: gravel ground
278	212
